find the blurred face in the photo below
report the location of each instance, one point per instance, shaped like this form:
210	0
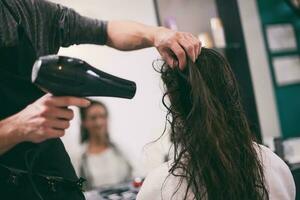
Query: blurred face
96	121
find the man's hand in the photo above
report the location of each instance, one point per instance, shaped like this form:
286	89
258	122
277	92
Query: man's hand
44	119
47	118
176	47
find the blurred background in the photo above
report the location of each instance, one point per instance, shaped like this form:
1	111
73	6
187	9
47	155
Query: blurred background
260	38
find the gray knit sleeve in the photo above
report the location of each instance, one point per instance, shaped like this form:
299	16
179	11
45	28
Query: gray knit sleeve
66	27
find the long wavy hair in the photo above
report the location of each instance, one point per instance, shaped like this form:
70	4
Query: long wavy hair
213	144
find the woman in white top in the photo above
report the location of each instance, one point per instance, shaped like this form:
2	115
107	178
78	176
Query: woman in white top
102	164
215	157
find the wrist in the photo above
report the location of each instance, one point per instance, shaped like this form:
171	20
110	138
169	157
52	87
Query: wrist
9	135
20	130
152	35
14	127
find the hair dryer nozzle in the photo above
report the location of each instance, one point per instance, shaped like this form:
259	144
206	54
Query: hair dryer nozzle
65	76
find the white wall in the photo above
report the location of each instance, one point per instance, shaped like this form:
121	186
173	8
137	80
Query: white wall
133	123
191	15
259	67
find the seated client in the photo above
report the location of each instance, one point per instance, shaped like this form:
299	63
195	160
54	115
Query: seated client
102	164
215	155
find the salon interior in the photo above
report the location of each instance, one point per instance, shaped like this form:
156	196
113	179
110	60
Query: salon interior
116	143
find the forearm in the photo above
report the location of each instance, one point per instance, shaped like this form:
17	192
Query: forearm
128	35
9	135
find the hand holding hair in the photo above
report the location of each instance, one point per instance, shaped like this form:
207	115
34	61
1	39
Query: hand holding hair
177	47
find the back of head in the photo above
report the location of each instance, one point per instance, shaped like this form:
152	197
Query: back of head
212	141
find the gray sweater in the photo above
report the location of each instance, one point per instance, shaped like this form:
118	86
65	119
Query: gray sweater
49	26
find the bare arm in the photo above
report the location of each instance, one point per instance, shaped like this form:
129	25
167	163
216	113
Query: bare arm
128	35
65	27
175	47
9	135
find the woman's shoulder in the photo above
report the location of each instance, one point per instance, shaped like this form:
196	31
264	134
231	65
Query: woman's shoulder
152	185
270	160
160	184
278	176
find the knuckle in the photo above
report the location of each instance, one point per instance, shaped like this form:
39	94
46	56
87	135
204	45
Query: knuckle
43	123
169	42
190	35
43	130
47	133
72	114
181	53
67	100
169	61
38	138
81	101
67	124
178	34
61	133
47	100
190	48
45	110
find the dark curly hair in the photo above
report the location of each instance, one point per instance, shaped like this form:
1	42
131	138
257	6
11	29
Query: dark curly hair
213	144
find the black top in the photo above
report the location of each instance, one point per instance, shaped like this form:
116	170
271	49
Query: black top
48	26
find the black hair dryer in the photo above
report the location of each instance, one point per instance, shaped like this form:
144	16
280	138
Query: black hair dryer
66	76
